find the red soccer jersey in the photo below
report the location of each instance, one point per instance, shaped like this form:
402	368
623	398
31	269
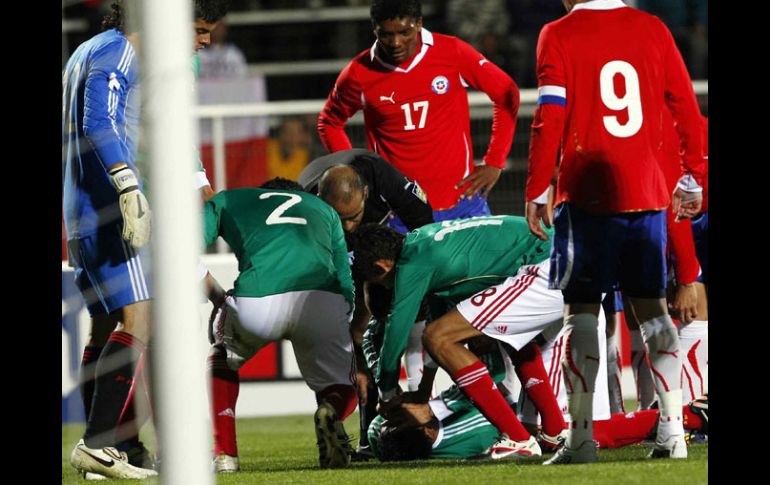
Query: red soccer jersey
605	74
416	114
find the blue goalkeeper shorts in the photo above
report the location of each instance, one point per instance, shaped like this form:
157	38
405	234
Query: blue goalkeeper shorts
109	272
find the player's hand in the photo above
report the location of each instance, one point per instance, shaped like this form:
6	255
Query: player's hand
686	204
410	414
483	178
133	206
536	213
385	407
217	318
684	305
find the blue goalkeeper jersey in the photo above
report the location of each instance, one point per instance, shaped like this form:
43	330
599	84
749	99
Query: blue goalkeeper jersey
100	121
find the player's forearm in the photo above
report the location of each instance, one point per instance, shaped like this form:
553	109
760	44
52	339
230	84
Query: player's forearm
331	131
682	248
544	144
393	346
503	129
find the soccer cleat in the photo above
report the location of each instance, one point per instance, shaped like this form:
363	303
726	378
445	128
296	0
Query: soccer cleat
550	443
140	457
362	453
674	446
107	461
93	476
701	407
507	449
585	453
224	463
334	448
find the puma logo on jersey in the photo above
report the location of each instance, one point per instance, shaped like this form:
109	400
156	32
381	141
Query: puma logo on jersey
388	98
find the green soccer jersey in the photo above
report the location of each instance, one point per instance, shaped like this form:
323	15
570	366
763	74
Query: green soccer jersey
453	259
464	431
284	241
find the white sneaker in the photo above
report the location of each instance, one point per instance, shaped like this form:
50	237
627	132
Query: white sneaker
506	448
585	453
107	461
93	476
225	463
553	443
334	448
673	447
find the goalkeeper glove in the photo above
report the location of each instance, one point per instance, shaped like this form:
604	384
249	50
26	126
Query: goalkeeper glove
133	206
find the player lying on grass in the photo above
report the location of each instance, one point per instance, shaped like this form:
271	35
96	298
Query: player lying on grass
450	426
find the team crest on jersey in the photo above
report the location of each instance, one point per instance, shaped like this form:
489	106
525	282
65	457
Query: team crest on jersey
502	328
440	84
419	193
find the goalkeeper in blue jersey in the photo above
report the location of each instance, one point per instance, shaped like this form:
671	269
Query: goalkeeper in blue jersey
107	221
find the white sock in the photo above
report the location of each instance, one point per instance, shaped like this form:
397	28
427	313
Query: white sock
581	365
581	410
645	389
694	343
413	356
662	341
614	373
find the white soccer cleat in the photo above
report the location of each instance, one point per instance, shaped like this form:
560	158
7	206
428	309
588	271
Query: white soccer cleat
674	446
553	443
93	476
334	448
107	461
224	463
507	449
585	453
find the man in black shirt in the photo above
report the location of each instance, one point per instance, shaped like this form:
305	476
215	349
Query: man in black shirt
363	187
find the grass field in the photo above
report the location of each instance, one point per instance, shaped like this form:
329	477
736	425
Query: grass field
282	450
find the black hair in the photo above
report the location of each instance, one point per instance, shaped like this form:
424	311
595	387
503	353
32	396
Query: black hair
371	242
114	19
209	10
280	183
402	444
383	10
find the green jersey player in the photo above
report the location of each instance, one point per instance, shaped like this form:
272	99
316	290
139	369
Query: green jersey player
455	259
294	283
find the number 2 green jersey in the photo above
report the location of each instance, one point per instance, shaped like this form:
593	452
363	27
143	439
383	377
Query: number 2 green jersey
454	259
284	241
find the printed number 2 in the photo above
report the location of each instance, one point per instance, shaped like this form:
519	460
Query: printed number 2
631	101
418	105
276	217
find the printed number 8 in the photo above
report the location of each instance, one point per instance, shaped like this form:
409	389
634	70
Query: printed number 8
479	298
631	101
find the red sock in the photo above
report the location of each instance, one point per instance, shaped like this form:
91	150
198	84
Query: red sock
529	367
225	385
475	381
343	399
625	429
690	419
137	408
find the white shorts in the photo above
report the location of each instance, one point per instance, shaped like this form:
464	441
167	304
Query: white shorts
316	323
516	310
552	353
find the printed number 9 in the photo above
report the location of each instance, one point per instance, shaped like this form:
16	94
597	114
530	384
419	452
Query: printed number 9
631	101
